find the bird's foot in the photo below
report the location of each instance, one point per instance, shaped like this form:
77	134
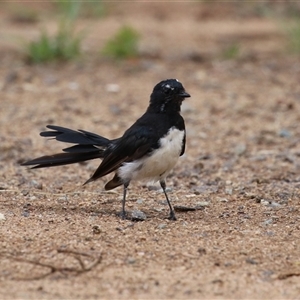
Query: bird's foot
172	216
123	215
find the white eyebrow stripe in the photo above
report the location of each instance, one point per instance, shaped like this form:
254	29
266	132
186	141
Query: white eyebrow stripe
169	87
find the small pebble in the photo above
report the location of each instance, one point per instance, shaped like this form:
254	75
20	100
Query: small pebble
274	204
270	233
63	198
264	202
168	190
228	190
190	196
162	226
36	184
284	133
2	217
202	203
112	88
137	215
25	192
251	261
153	187
139	201
268	222
25	214
131	260
221	199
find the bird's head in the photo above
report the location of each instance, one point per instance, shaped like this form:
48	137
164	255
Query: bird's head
168	95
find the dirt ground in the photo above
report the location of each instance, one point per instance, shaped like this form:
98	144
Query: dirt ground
60	240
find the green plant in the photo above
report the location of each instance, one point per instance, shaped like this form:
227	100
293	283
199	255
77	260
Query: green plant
69	9
293	32
93	9
123	45
65	45
231	52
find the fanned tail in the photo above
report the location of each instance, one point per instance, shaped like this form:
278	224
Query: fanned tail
87	146
86	141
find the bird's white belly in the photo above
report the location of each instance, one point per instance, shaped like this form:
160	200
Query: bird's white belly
159	163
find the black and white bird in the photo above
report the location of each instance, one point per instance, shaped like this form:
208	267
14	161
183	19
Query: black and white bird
148	150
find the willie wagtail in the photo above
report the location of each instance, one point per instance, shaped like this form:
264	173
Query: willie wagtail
148	150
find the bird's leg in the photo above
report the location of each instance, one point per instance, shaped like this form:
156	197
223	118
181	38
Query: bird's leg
172	212
123	212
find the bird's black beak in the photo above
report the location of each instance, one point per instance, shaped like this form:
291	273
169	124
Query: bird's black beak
185	94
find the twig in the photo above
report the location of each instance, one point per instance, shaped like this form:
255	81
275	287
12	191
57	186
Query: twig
287	275
53	269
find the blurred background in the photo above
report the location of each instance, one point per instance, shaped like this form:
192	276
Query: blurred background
191	30
92	65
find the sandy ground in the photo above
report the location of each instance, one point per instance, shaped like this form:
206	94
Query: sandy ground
60	240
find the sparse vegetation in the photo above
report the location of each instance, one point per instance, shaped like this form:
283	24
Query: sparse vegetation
94	9
293	32
73	9
123	45
65	45
69	9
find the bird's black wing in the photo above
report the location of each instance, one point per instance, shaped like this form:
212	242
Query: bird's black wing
135	143
183	144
